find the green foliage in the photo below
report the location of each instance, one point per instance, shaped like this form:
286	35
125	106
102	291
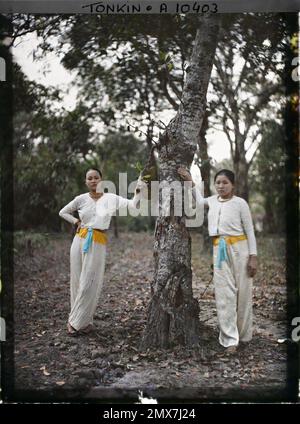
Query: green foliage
123	153
139	167
249	77
47	150
138	63
268	176
119	153
52	153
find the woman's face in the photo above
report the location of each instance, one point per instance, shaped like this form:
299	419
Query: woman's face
224	186
92	179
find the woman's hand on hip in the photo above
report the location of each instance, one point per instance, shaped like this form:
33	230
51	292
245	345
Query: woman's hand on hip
252	266
78	224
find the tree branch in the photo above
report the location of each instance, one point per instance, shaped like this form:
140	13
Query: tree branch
243	71
263	99
253	156
175	89
253	139
34	28
226	131
168	96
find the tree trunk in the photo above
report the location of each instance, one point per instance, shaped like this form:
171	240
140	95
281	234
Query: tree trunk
269	224
152	163
205	166
205	169
241	168
173	314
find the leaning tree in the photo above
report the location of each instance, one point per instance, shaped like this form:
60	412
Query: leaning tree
173	314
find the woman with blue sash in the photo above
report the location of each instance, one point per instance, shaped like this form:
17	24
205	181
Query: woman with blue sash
235	257
88	249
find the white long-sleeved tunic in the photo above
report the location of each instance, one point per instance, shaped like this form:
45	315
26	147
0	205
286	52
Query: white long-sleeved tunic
230	218
96	213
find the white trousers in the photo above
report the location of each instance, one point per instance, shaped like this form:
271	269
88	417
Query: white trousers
233	294
87	272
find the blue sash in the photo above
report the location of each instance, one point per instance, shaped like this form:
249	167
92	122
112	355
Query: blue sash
88	240
222	252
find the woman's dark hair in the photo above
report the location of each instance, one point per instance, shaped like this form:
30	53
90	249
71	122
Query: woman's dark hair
94	169
229	174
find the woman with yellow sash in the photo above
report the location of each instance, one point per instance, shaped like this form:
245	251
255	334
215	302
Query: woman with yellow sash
88	249
235	257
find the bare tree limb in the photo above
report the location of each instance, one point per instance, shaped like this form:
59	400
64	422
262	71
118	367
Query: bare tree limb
253	139
253	156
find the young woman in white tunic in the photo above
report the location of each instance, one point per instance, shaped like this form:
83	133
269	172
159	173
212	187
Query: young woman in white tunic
88	249
235	257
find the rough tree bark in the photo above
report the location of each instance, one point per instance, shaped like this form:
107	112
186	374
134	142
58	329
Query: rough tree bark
205	169
205	166
173	314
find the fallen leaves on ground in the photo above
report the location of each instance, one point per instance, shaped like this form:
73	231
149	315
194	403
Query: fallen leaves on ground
45	357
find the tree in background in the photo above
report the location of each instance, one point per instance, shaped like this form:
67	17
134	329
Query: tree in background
131	69
48	147
268	176
248	85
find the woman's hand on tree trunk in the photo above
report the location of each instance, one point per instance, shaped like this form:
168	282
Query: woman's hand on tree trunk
185	175
141	185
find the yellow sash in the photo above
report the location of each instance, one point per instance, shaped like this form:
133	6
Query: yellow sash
98	235
229	239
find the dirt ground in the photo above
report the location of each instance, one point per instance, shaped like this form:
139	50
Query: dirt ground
108	364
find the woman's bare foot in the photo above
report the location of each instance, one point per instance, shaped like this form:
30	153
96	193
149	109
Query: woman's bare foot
231	349
88	329
72	331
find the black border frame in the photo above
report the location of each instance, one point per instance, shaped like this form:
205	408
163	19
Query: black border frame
7	295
